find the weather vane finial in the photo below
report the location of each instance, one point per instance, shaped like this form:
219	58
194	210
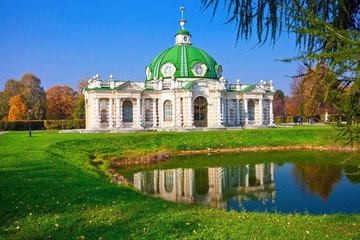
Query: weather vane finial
182	21
182	12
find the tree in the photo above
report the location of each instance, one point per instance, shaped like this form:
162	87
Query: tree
60	101
34	95
18	109
79	112
325	30
279	103
275	17
12	88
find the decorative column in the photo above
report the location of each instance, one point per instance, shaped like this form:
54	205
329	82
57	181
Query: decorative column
118	113
138	112
224	111
246	111
111	122
178	112
97	112
271	114
272	170
154	113
237	112
228	112
143	112
261	111
219	113
190	113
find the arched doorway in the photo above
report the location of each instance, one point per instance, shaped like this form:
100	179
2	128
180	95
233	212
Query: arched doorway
200	112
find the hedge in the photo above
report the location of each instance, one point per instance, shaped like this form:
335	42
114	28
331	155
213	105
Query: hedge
23	125
65	124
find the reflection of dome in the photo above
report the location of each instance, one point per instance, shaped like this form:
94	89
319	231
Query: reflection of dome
183	61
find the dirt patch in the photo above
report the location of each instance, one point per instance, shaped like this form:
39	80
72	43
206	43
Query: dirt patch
266	149
133	161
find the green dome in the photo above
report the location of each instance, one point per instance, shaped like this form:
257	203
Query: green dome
184	58
183	31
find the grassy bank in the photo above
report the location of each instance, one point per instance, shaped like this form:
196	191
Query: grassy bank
54	185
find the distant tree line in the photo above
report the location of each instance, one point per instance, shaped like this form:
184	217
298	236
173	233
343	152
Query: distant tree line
57	103
307	96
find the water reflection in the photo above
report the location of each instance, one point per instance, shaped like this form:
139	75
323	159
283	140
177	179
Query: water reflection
218	187
317	178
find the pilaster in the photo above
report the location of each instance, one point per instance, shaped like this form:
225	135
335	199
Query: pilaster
154	113
271	113
261	111
111	122
97	113
246	111
138	112
237	112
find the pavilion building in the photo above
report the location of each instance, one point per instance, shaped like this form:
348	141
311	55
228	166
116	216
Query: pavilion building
184	89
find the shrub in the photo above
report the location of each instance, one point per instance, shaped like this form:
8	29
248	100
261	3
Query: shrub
21	125
65	124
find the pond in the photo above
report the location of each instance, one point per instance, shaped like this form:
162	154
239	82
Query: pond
285	182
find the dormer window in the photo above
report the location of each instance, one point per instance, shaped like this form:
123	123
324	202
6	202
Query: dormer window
168	70
199	69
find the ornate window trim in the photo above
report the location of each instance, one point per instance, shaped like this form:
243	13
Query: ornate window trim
168	67
197	66
127	111
251	109
168	111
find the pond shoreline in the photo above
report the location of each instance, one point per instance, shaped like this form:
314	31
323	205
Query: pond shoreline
165	156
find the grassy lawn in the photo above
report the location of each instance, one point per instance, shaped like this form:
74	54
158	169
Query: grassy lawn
55	186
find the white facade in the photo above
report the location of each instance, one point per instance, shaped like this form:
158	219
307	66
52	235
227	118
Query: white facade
174	103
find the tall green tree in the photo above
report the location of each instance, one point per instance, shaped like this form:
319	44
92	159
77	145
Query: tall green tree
34	95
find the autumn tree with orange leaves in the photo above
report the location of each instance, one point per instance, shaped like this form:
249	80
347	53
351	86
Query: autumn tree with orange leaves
60	101
18	109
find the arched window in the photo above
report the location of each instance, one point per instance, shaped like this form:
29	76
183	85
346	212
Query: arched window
169	181
127	110
167	111
251	110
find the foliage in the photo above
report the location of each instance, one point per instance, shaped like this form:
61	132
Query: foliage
279	103
326	32
12	88
60	101
34	95
271	18
65	124
79	111
21	125
18	109
50	189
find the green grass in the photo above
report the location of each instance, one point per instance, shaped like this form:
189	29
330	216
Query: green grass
55	185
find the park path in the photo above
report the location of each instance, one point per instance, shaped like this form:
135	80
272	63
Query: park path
2	132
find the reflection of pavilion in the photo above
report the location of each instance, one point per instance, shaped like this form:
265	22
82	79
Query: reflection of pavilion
214	187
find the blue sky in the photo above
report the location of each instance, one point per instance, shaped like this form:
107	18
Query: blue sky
62	42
